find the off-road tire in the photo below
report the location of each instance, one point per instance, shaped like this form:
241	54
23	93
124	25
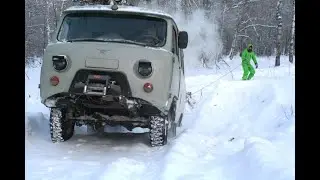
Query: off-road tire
61	129
158	131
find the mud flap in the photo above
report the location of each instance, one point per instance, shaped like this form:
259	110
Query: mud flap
190	100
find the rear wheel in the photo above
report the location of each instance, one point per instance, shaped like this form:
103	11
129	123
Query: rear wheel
61	128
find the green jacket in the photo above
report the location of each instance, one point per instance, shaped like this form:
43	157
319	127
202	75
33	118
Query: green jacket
247	56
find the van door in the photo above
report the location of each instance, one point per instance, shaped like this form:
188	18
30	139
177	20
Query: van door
176	65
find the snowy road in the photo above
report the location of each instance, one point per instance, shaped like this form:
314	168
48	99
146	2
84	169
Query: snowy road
238	130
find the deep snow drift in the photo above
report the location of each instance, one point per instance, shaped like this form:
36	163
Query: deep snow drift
238	130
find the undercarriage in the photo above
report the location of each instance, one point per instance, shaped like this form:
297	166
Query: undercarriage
103	98
99	97
108	110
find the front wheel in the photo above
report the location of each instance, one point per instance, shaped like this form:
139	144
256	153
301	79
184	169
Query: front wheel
61	128
159	128
158	131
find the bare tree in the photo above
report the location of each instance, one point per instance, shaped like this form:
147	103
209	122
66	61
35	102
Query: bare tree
248	24
235	36
279	34
240	22
292	34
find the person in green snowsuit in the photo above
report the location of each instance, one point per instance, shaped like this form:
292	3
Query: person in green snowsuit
246	56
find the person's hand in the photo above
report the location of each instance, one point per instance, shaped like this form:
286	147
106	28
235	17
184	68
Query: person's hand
257	66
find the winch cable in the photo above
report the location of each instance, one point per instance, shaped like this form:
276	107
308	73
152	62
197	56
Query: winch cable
190	94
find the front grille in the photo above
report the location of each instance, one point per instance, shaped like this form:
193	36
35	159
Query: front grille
119	82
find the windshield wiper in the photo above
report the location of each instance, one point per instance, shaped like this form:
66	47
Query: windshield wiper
126	41
86	39
108	40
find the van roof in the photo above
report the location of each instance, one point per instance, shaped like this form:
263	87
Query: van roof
122	8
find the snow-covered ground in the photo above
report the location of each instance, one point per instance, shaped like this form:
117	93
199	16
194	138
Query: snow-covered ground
238	130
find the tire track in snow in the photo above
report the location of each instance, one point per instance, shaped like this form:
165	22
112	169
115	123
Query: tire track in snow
117	156
201	153
181	154
206	144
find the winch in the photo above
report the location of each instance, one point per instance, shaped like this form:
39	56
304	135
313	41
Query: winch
97	85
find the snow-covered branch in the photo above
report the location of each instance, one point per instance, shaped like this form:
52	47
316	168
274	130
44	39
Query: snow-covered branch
254	25
246	36
249	19
239	4
35	25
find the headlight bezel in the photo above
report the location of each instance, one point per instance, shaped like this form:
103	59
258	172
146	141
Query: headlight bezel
144	69
60	60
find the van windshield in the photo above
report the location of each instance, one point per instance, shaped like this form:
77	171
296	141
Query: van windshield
120	28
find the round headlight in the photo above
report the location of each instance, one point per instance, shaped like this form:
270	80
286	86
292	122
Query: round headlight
144	69
60	63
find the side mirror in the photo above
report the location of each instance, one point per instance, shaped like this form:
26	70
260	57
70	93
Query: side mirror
183	39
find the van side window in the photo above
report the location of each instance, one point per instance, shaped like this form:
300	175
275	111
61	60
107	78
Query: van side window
174	42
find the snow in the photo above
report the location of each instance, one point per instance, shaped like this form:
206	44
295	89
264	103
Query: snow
238	130
122	8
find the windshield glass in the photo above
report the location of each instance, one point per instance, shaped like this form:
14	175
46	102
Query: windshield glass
103	27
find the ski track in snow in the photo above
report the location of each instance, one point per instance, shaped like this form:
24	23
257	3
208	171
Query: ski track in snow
238	130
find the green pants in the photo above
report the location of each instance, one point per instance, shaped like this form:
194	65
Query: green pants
248	71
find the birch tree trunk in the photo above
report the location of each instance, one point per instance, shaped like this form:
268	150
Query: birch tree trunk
61	9
279	34
48	29
222	18
233	45
235	36
291	49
